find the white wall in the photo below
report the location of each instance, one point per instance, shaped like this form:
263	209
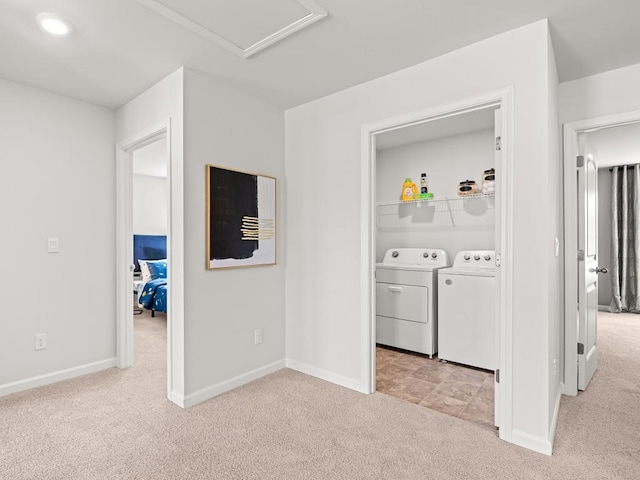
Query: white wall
552	190
598	95
57	181
446	161
150	189
150	204
148	112
223	307
213	338
323	152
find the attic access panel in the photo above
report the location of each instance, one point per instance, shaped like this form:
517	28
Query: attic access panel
243	27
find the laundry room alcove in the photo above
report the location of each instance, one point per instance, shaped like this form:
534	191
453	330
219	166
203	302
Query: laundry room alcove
451	222
447	152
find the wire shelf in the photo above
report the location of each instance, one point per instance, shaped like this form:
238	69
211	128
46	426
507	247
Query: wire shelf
436	200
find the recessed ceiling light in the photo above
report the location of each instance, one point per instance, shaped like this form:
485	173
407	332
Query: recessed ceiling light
54	24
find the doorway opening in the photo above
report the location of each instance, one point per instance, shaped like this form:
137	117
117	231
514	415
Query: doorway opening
150	215
444	249
610	147
144	243
592	148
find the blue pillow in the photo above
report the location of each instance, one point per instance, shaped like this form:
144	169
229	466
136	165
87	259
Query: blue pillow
157	269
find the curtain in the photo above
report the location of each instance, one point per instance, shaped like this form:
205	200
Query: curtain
625	239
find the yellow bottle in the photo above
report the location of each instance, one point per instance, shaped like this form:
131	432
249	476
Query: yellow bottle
409	190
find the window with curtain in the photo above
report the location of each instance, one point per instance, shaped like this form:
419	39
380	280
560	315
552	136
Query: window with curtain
625	238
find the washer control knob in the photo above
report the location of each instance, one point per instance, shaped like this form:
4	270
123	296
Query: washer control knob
425	254
487	257
467	257
476	257
394	254
434	255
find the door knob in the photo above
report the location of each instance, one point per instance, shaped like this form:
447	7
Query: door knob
599	270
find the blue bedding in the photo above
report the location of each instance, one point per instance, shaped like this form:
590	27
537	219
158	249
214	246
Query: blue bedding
154	295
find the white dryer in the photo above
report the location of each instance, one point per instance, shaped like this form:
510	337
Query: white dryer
406	298
466	303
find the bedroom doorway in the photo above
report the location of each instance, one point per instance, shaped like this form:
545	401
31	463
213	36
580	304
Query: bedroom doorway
144	200
150	221
608	141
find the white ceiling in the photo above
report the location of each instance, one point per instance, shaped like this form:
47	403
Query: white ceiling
120	47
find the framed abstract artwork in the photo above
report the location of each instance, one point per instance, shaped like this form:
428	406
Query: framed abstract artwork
241	219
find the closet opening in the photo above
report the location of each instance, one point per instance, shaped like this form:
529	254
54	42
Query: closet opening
440	257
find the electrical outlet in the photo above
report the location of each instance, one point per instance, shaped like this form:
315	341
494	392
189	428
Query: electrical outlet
257	336
41	341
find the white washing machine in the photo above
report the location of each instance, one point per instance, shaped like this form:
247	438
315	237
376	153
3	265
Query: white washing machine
466	310
406	298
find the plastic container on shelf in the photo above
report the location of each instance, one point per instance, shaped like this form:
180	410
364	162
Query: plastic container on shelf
409	190
489	181
468	187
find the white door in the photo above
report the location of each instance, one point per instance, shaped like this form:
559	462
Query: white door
587	269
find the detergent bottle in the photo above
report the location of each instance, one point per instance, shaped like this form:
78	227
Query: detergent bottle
409	190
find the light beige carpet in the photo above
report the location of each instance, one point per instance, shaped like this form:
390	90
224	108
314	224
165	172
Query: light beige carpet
117	424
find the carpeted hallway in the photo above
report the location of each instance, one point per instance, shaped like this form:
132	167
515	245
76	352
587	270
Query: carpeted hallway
118	424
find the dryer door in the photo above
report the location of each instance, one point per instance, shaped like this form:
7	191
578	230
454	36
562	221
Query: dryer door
406	302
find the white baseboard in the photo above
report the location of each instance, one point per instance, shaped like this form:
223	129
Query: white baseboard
58	376
350	383
604	308
526	440
222	387
177	399
554	419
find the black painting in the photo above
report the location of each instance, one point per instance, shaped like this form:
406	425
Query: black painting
233	195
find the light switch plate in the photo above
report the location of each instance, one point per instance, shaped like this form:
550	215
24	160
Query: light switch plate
53	245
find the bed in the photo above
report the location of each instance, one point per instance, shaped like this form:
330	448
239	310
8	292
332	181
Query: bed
150	272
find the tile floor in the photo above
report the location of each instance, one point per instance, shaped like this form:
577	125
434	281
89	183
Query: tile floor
456	390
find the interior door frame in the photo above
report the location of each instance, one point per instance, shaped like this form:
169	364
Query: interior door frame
571	130
124	255
504	99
